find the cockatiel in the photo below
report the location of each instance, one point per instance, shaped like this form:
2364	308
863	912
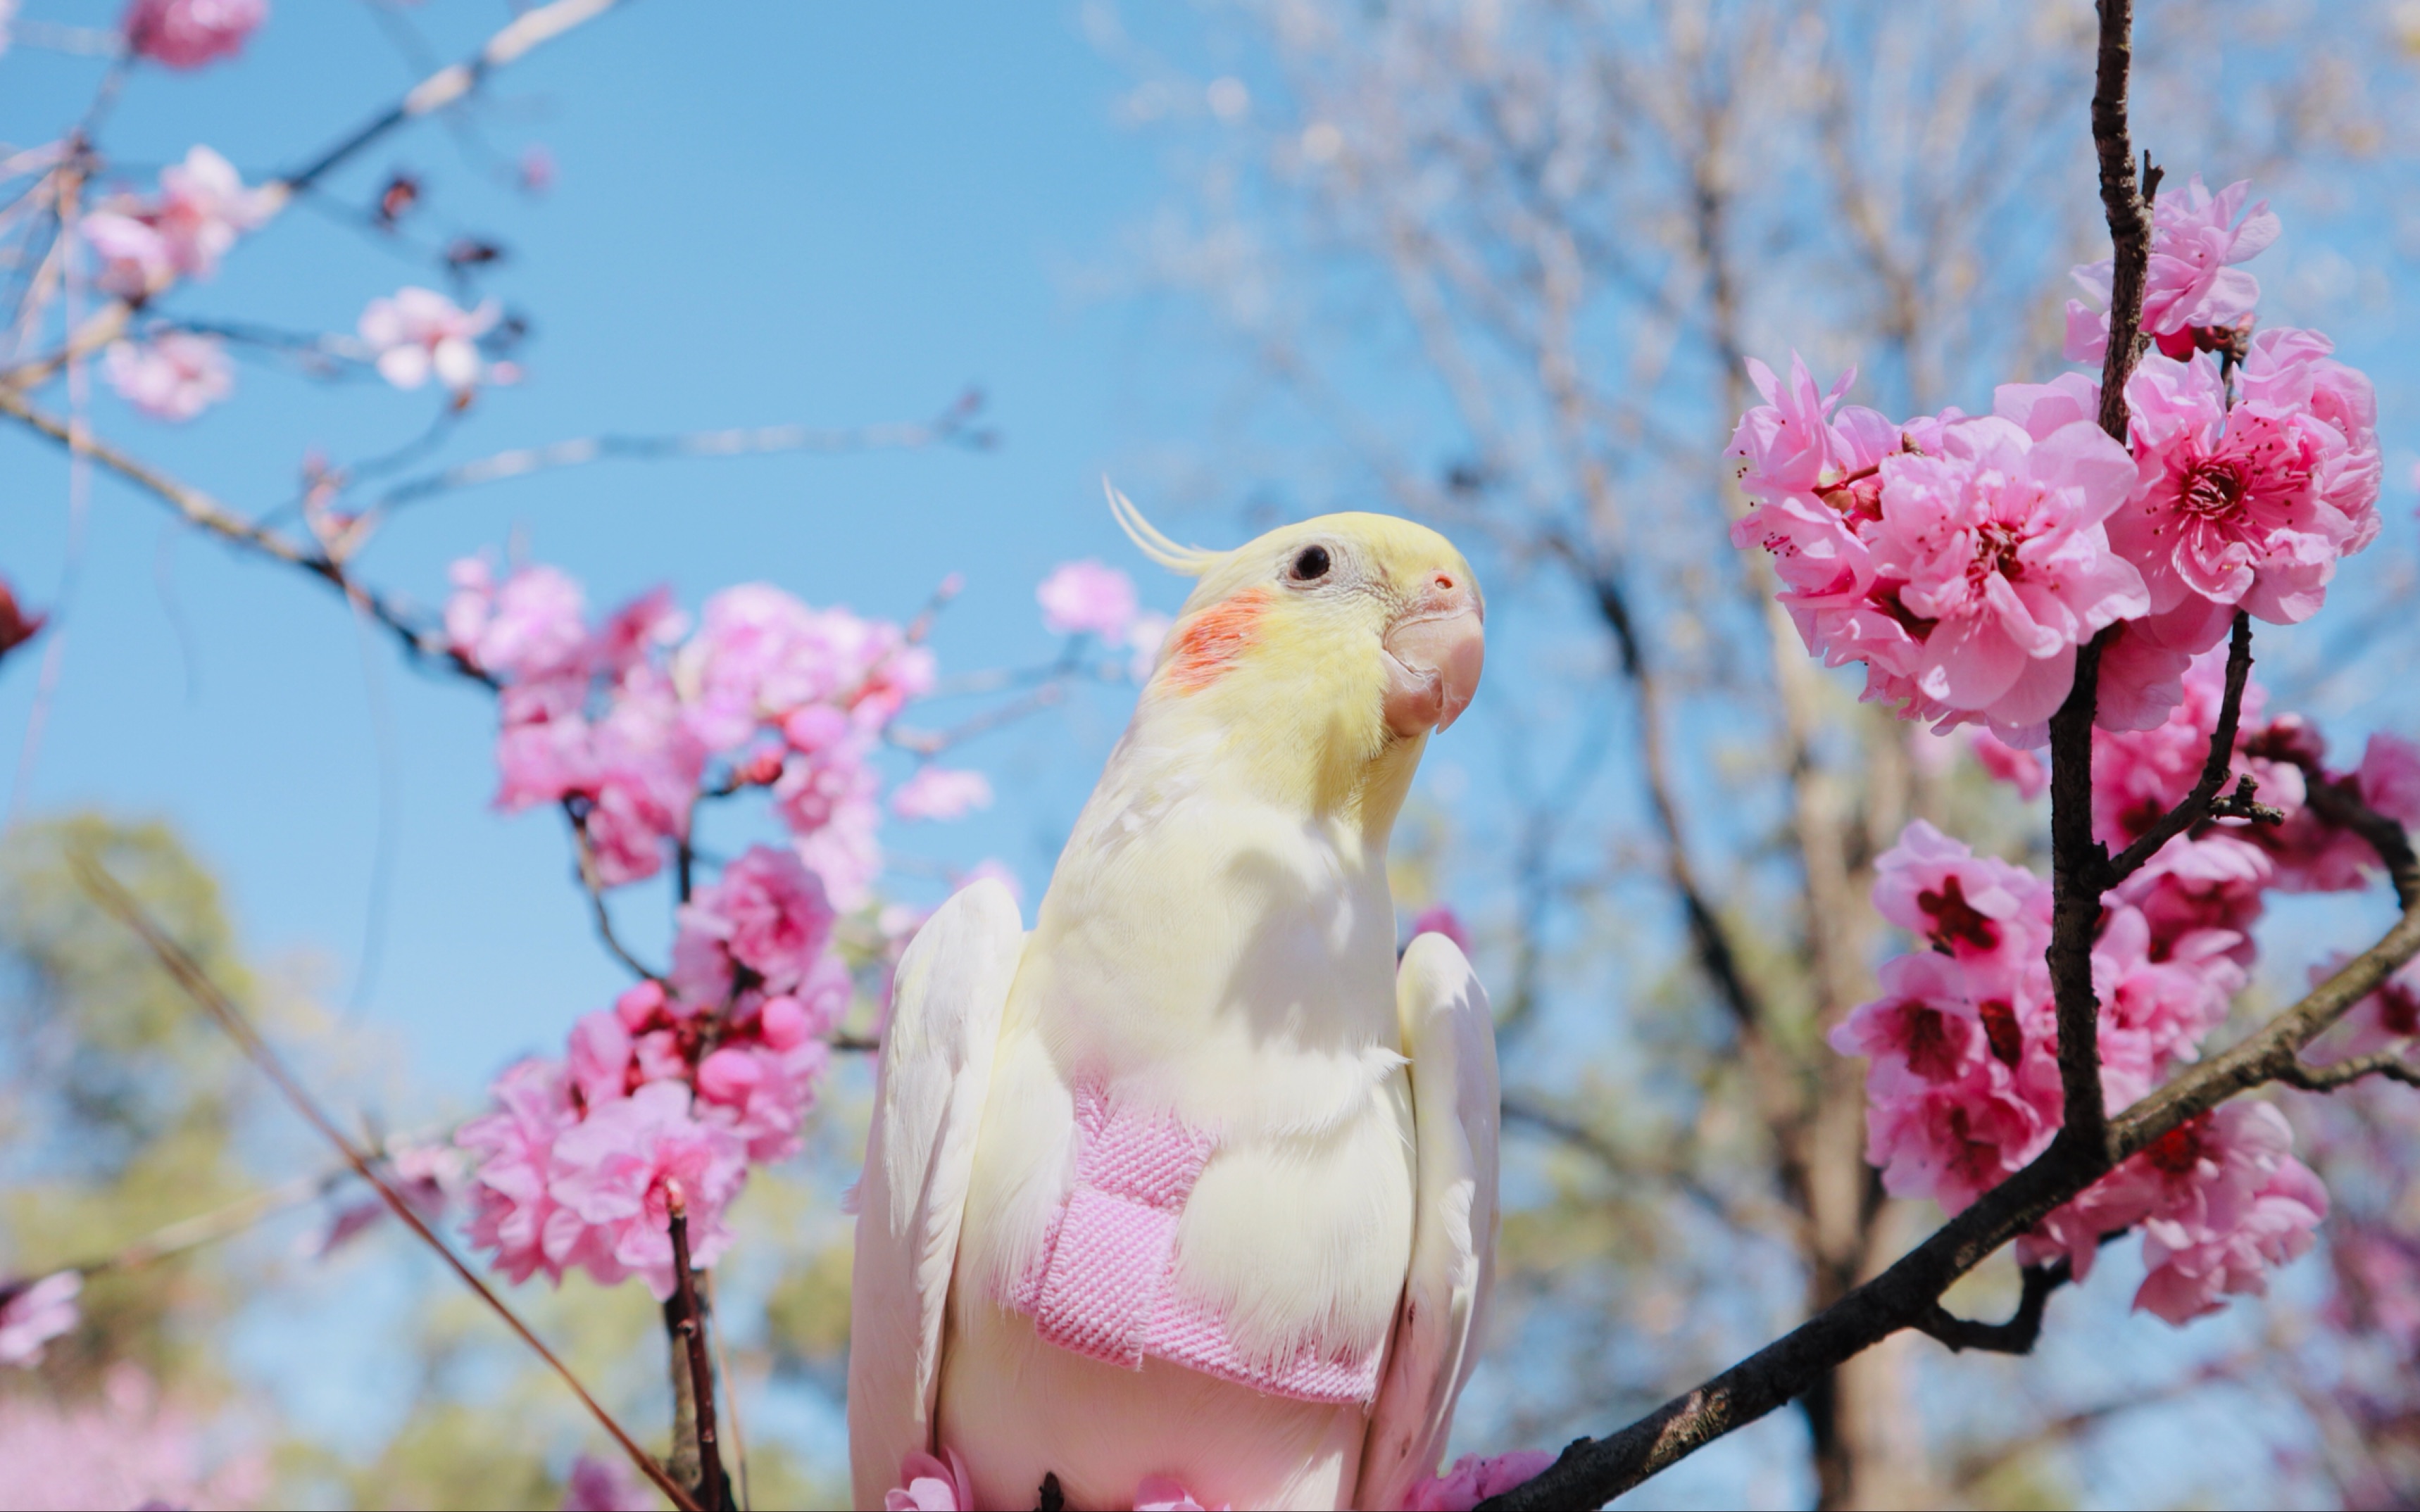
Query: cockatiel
1195	1185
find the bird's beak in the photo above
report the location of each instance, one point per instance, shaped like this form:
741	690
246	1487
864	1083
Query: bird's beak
1433	652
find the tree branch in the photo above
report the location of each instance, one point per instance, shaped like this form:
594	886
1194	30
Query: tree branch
687	1328
2016	1335
196	983
2196	806
592	882
2387	1063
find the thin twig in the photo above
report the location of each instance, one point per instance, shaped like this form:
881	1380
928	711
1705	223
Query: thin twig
952	427
592	882
2387	1063
112	898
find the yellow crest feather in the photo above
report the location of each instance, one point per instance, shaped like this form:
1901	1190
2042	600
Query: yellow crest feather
1191	560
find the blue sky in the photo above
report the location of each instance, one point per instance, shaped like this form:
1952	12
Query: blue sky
820	214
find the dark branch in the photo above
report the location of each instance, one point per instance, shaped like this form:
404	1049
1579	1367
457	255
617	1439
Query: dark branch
592	882
2015	1336
2204	800
687	1325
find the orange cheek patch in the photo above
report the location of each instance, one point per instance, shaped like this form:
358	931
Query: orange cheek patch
1212	640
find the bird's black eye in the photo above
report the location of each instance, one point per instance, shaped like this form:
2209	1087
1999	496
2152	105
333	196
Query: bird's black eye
1311	565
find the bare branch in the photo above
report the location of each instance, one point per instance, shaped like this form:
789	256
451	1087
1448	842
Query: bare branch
953	426
188	974
2387	1063
422	643
2015	1336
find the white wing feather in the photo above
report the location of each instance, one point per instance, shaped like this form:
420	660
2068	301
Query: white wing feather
1451	1035
929	1098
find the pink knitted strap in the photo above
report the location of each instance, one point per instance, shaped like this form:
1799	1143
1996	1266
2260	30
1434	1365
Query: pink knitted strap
1101	1286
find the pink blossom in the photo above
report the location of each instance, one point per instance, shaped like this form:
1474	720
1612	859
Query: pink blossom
2021	769
2153	1013
1964	1089
597	1484
930	1485
536	169
1813	482
2211	884
2194	1264
418	331
2289	373
37	1313
2385	1019
174	376
2388	778
136	261
2379	1272
1474	1479
186	33
1166	1493
123	1448
1994	550
760	1084
760	657
203	207
2220	1200
941	793
1085	597
2226	507
2191	283
512	1203
2138	776
767	913
610	1174
846	854
1440	918
532	628
1967	906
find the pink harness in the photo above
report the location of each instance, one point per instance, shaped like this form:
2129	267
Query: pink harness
1101	1286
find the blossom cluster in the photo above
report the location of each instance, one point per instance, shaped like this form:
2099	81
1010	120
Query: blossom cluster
1964	559
625	721
1963	1086
686	1081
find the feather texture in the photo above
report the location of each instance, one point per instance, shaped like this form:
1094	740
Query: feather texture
1451	1033
929	1088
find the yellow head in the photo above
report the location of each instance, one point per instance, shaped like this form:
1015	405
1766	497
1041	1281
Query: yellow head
1323	653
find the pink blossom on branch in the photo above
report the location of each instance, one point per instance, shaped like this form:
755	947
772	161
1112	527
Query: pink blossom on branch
1087	597
609	1174
2227	508
203	207
767	915
2220	1200
606	1485
2191	283
1995	553
941	793
174	376
930	1483
39	1313
1474	1479
186	33
136	261
417	331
